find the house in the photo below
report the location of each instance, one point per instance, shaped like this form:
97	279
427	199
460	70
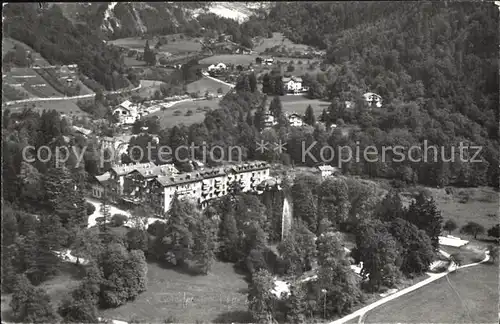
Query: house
98	184
293	84
327	171
269	120
85	132
126	112
269	61
118	173
373	99
295	120
205	185
135	183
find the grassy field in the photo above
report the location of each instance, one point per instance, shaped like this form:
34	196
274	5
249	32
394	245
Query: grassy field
206	84
482	206
63	106
299	104
58	288
168	117
470	296
175	47
218	297
148	88
8	44
278	39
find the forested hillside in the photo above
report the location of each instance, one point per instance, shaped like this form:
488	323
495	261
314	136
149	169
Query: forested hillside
434	63
52	35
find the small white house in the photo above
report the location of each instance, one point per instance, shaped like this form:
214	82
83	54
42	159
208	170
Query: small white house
269	120
295	120
293	84
327	171
269	61
127	112
373	99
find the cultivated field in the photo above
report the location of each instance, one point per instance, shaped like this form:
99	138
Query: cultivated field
206	84
278	39
481	207
175	47
236	59
58	288
468	296
298	104
8	44
218	297
169	117
63	106
148	88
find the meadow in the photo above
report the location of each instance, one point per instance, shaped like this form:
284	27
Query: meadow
298	104
175	44
68	107
261	44
183	297
206	84
169	117
468	295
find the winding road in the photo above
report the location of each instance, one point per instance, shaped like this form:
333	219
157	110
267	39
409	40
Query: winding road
432	277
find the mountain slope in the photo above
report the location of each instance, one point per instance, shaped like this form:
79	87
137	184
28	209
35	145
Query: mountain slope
60	41
125	19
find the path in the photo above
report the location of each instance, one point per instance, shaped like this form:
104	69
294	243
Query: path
432	277
91	95
217	80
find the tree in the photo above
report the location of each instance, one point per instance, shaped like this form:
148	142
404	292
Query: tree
260	298
304	205
78	311
493	249
424	214
178	238
124	275
258	60
494	231
333	201
415	247
390	208
309	117
229	238
472	228
205	243
296	304
450	225
30	304
252	80
137	239
377	249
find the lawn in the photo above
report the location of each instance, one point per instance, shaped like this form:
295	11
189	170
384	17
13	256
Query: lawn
168	119
58	288
175	47
482	206
236	59
219	297
8	44
206	84
298	104
63	106
278	39
472	297
148	88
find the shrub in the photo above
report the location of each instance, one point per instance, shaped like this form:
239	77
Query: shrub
189	113
118	220
90	208
177	113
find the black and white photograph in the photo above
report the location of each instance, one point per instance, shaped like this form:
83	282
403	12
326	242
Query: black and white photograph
332	162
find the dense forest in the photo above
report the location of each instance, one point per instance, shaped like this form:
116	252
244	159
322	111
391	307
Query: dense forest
60	42
435	64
